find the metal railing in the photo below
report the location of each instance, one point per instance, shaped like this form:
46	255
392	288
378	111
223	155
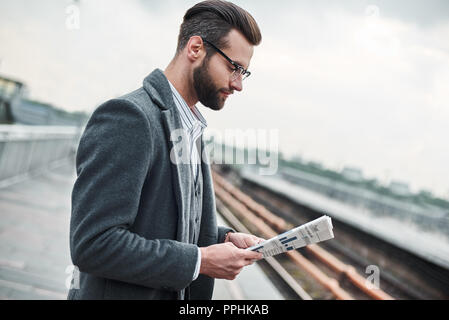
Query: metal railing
27	149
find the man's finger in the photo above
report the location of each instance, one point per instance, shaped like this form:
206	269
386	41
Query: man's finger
259	240
252	255
255	240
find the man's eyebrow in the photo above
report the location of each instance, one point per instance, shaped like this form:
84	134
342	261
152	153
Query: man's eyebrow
236	61
240	64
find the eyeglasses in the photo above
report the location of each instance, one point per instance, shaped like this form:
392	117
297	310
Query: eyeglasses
238	69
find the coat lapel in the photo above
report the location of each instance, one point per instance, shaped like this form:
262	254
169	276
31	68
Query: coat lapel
182	174
156	84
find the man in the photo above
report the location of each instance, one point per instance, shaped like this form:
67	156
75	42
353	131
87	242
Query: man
143	222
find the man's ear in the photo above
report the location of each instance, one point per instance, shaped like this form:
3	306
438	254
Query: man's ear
195	48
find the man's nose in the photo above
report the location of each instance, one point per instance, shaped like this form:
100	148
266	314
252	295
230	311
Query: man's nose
237	84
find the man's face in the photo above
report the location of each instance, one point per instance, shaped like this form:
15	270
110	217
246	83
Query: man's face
212	79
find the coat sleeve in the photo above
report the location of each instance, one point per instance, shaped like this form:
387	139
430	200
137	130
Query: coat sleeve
113	159
222	231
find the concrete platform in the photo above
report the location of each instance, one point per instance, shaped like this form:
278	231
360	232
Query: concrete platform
34	243
34	231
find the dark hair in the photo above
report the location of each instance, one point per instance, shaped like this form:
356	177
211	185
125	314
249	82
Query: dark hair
213	20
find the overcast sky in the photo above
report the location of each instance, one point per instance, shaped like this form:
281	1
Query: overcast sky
348	83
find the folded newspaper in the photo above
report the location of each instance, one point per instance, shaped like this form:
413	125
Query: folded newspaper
312	232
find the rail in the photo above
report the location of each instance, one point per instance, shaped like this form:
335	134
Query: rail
28	149
264	221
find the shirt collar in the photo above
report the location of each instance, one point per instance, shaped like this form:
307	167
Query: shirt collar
189	117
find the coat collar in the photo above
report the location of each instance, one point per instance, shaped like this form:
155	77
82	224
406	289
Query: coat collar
158	88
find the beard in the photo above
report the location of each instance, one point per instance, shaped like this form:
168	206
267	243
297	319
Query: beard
206	91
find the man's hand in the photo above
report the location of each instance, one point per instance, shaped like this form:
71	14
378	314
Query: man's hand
243	240
225	260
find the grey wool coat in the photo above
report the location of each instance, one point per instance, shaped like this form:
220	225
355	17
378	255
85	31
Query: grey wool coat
130	203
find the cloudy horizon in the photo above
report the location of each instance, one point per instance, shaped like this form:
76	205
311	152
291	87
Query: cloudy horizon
355	83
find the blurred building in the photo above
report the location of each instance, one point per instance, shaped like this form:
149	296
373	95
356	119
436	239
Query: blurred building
353	174
16	108
11	93
400	188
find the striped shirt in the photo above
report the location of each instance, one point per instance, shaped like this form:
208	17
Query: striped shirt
194	124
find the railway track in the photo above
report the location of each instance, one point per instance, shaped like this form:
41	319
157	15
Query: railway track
331	270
